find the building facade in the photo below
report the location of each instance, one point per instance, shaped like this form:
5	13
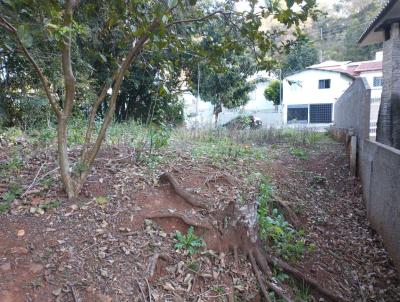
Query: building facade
309	95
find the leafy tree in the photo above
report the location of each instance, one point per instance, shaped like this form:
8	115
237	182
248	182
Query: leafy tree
273	92
301	55
69	28
337	34
228	87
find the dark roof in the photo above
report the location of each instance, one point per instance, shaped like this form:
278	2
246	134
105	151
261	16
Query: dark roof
375	22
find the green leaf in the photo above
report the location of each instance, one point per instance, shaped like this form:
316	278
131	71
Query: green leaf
24	35
103	58
172	3
290	3
192	2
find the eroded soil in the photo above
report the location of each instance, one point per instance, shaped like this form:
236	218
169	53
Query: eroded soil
99	246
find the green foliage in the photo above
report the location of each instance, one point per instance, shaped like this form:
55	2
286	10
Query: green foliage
300	55
300	153
14	191
15	163
287	242
342	30
193	265
224	148
76	131
158	136
273	92
4	207
189	242
53	204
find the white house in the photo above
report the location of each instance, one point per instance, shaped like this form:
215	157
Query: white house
309	95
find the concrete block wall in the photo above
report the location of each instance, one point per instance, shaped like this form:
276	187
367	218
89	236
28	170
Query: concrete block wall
352	110
380	174
378	165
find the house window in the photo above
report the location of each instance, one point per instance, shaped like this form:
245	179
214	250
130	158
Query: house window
297	114
321	113
324	84
377	82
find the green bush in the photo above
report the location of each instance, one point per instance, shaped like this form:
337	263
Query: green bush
189	242
287	242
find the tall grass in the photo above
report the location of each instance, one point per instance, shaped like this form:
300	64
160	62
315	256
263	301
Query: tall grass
260	137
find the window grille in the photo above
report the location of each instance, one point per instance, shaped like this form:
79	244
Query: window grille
321	113
324	84
377	82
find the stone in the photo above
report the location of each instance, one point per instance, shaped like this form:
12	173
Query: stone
19	250
35	268
5	267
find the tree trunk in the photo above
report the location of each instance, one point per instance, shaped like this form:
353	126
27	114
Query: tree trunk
63	160
217	111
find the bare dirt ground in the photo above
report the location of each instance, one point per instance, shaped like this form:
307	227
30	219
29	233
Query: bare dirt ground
100	246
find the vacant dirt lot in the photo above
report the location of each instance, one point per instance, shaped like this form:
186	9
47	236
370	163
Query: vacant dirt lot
116	242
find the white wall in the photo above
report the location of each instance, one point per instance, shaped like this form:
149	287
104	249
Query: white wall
376	93
257	106
306	90
369	76
204	117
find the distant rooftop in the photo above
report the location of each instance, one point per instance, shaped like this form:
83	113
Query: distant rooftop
349	67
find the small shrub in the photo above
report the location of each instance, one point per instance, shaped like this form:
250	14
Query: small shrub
4	207
14	191
189	242
299	153
14	164
287	242
101	200
54	204
193	265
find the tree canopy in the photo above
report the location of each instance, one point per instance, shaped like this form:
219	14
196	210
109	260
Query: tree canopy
80	53
273	92
301	55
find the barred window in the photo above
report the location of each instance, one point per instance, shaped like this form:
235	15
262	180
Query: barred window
297	113
377	82
324	84
321	113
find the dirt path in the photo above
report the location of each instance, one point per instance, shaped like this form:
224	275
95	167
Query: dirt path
98	247
349	255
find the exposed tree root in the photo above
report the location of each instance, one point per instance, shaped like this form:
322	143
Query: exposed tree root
304	278
188	197
189	220
259	278
242	233
224	177
244	226
151	268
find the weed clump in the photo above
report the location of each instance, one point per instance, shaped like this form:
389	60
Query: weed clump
189	242
283	238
